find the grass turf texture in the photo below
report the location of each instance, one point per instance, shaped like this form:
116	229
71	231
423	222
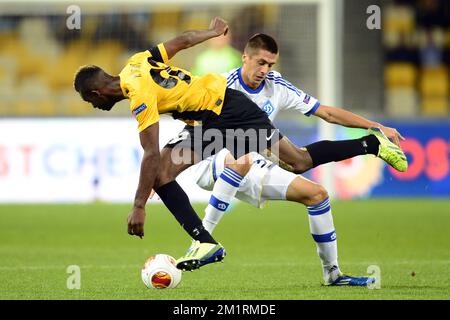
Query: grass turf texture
271	254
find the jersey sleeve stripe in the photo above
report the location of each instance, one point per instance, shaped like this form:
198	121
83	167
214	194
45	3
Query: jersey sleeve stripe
289	88
286	83
313	109
230	83
232	75
156	55
163	52
231	79
159	53
282	80
214	169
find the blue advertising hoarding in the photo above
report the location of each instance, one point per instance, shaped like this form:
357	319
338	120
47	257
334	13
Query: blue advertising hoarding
427	147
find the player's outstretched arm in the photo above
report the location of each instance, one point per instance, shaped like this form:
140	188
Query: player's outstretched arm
190	38
351	120
149	167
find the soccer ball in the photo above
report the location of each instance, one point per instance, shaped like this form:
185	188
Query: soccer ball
160	272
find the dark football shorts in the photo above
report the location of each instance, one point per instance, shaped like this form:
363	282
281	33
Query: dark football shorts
242	127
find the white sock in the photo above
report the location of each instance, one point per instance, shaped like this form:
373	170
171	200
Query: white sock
223	192
323	232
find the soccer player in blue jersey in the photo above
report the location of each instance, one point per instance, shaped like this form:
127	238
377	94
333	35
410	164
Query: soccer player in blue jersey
265	180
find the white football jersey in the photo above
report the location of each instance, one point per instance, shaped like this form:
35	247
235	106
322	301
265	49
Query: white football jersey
274	94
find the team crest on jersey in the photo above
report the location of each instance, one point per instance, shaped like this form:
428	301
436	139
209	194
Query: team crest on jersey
139	109
268	108
306	99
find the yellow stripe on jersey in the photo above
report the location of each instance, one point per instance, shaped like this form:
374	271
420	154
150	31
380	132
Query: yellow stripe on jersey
155	88
163	52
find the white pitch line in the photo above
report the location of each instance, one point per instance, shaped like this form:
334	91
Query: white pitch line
265	264
54	267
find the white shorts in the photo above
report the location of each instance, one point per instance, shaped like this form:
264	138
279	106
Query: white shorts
265	180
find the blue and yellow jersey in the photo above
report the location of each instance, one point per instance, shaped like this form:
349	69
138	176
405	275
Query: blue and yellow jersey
155	88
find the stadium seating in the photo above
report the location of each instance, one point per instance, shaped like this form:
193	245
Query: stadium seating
38	62
416	69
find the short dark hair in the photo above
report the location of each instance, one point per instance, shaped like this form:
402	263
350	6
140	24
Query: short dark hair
262	41
86	80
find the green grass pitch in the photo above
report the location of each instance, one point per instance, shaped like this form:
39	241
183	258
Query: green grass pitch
271	254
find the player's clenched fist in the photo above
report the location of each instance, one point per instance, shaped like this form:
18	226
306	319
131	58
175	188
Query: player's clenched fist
136	220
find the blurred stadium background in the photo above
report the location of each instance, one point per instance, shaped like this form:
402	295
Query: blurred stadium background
54	148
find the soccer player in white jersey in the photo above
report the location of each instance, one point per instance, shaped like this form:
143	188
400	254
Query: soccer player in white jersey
260	180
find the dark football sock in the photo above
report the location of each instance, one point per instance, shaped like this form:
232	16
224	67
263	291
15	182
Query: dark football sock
328	151
178	203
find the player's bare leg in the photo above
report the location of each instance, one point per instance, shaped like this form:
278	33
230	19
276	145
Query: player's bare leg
290	157
174	196
305	191
301	159
172	163
241	165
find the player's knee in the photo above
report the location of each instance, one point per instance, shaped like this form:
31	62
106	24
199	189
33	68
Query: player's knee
163	176
303	161
166	174
241	165
161	179
168	169
318	195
